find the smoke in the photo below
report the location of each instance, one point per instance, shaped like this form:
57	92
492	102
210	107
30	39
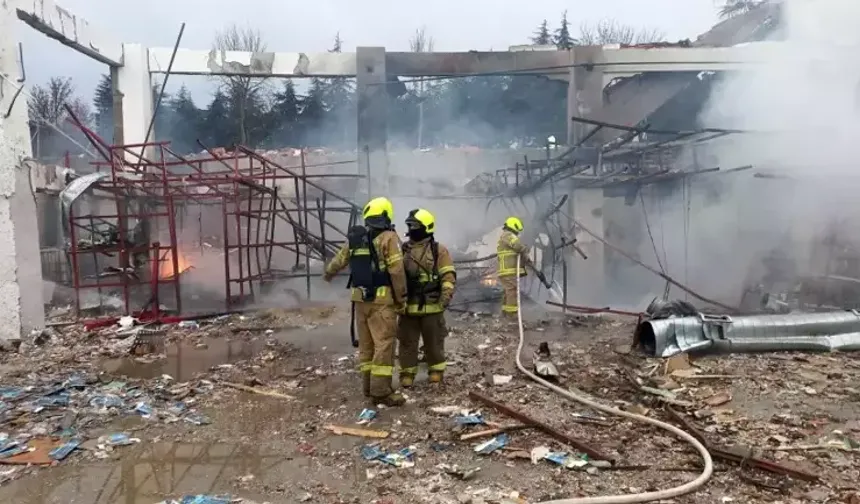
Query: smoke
802	103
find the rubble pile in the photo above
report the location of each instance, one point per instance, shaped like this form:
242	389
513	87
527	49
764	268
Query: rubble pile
781	427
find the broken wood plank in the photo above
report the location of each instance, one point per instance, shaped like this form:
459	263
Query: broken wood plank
268	393
558	435
739	455
354	431
493	432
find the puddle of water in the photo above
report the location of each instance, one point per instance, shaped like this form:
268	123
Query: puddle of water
184	360
150	473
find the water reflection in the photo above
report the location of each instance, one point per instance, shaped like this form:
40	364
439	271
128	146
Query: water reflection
184	360
147	474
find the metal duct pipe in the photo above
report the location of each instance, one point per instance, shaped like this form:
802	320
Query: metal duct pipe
752	333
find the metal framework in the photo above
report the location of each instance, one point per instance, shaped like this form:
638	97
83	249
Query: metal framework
266	207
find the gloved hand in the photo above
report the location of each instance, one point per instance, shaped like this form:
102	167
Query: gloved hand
400	308
327	277
543	279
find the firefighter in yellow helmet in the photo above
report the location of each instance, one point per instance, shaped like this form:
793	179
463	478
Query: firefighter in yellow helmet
430	279
507	250
372	253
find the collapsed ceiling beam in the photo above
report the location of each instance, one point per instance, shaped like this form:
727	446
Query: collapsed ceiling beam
71	30
325	64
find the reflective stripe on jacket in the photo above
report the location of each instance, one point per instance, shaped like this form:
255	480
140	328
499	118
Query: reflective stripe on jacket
508	248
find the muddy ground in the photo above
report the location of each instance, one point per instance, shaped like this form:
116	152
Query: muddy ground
800	410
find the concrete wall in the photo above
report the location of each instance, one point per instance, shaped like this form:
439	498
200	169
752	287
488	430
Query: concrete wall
20	266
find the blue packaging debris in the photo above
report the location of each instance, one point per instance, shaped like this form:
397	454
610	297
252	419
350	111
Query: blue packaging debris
107	401
11	393
144	410
63	451
401	458
492	445
201	499
121	439
206	499
53	400
188	324
469	419
371	452
568	461
404	457
197	419
366	415
13	449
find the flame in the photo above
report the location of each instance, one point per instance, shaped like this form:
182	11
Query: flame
489	281
165	267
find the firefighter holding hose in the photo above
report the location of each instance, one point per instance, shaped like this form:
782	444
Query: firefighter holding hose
430	279
378	281
507	250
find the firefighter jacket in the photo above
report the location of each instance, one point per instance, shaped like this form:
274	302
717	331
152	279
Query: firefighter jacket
386	250
508	248
430	276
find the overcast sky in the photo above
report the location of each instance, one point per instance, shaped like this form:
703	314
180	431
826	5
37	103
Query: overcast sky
455	25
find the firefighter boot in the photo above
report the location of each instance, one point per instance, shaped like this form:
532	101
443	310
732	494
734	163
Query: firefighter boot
407	380
435	376
393	399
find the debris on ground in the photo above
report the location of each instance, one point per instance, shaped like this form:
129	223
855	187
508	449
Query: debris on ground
487	434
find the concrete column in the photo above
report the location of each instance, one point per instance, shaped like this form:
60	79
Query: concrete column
21	304
372	105
133	93
584	91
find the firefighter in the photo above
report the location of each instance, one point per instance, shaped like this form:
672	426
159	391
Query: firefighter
378	282
508	248
430	279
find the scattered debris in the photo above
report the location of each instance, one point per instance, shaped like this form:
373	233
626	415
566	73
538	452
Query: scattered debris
353	431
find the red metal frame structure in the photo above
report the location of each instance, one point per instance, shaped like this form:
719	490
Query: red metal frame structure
248	187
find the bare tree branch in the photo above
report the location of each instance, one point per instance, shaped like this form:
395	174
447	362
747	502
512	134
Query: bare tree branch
610	31
241	90
46	104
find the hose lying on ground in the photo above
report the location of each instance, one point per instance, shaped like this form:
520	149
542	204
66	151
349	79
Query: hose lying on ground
617	499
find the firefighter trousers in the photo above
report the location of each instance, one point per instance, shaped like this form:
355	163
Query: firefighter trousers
509	297
377	330
432	330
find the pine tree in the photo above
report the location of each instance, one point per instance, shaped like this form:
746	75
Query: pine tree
284	116
562	38
339	103
103	105
185	129
313	110
541	35
217	129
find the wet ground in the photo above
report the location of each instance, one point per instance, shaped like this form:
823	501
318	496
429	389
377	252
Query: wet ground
270	449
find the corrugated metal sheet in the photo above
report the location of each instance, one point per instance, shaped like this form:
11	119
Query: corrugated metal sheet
752	333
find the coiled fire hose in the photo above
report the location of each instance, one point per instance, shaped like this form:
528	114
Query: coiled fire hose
618	499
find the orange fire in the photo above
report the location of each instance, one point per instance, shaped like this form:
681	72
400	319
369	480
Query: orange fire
165	267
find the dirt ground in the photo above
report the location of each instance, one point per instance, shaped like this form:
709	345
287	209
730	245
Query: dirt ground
800	410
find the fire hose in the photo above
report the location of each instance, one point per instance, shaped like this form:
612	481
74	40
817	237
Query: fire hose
668	493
